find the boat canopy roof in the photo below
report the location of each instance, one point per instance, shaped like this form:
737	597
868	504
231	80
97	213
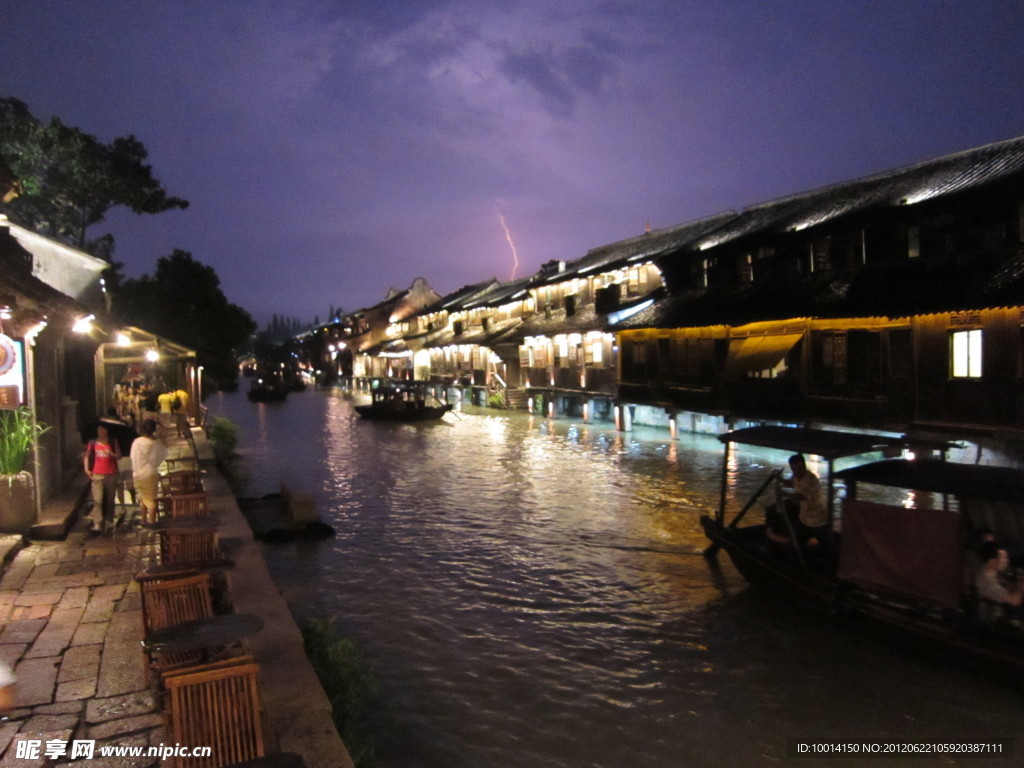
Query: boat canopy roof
829	444
962	480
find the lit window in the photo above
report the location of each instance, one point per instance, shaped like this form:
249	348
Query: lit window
966	354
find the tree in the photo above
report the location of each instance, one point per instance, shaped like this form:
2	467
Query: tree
70	180
183	301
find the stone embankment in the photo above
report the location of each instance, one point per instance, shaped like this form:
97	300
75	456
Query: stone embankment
71	626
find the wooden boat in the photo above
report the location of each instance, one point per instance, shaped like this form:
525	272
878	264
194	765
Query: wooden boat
402	401
263	391
902	560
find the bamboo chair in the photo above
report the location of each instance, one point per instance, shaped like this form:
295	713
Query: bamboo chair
189	505
215	705
196	546
180	481
170	601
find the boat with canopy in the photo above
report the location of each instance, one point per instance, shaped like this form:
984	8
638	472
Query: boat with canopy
898	551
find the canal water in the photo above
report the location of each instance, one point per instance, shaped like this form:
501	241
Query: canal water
532	594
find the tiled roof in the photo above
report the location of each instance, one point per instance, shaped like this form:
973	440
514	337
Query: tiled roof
892	289
908	185
456	300
641	248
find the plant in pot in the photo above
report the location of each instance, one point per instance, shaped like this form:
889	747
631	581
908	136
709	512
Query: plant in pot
18	433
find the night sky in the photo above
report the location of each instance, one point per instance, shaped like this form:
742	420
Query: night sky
331	150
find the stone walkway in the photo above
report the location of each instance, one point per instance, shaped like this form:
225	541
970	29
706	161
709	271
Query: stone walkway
72	623
71	619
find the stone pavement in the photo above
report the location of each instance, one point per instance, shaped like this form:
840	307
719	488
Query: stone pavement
72	622
70	627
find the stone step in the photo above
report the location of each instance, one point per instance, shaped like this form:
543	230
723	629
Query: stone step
60	513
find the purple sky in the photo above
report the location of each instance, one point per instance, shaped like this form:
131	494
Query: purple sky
331	150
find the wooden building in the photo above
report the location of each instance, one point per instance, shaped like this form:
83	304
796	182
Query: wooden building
45	365
891	302
361	345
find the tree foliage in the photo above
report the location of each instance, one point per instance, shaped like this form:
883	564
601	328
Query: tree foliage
183	301
70	179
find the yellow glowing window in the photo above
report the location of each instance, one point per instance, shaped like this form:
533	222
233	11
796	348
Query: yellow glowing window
965	354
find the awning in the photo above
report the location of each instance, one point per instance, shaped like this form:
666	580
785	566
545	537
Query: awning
978	481
829	444
759	353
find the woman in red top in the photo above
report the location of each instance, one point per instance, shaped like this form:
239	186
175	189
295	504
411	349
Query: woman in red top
101	466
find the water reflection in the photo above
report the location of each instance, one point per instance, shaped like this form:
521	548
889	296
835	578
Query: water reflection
532	593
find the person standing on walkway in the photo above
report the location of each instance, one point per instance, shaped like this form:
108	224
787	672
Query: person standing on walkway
180	409
101	457
166	402
148	452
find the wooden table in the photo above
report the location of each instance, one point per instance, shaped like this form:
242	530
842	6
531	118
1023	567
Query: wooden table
203	634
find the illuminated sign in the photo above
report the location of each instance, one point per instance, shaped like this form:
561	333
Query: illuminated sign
12	374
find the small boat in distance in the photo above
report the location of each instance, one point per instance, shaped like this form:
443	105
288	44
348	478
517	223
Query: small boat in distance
898	556
267	390
402	401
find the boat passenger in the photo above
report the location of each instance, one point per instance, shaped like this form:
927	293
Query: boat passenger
989	583
806	507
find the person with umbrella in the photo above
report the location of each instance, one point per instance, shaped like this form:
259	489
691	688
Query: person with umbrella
101	457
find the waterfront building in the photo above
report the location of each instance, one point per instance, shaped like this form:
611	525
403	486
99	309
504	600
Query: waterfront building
567	351
544	342
44	365
894	301
459	338
353	349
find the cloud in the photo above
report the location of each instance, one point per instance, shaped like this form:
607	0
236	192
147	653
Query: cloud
541	71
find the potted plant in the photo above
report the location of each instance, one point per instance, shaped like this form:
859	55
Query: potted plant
18	433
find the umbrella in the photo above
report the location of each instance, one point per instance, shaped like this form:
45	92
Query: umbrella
121	433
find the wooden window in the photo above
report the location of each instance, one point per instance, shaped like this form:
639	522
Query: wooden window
901	354
665	356
562	357
864	357
913	242
637	349
965	354
540	356
821	255
745	268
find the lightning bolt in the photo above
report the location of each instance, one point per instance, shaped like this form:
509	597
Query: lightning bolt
508	236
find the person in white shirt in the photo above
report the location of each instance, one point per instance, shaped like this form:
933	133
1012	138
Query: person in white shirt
806	506
148	453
